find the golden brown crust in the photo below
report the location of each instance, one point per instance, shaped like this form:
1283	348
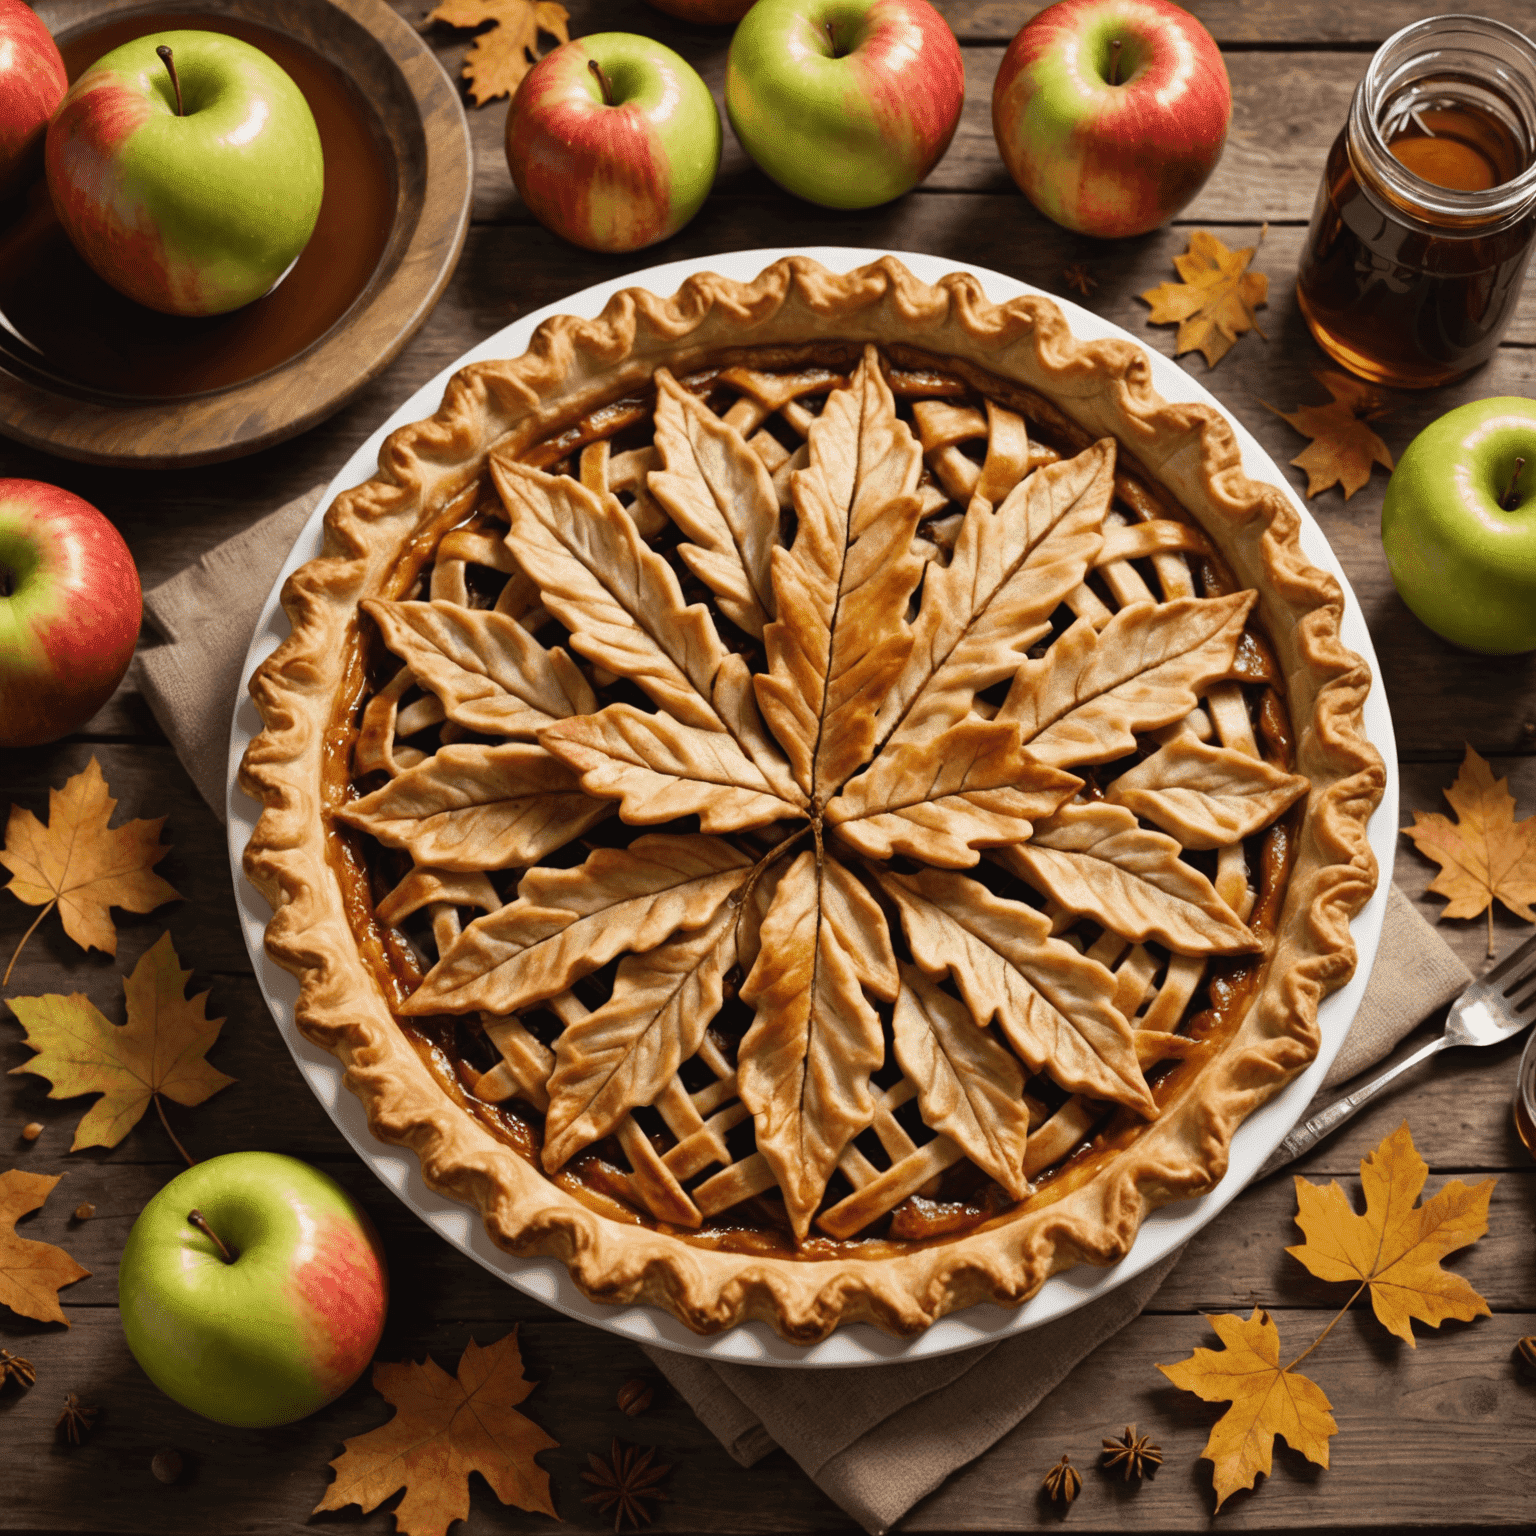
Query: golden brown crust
1106	388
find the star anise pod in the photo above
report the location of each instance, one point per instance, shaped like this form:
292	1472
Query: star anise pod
76	1420
1063	1482
626	1484
1078	276
14	1368
1136	1453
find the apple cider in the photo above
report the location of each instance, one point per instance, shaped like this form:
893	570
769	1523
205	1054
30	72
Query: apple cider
1427	213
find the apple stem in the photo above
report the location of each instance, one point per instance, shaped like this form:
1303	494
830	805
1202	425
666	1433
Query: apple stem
602	80
170	64
1114	62
1511	497
200	1221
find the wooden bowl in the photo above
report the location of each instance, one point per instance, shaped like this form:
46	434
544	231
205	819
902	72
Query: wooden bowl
90	375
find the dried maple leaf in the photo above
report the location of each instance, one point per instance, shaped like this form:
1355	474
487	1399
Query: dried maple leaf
1485	854
446	1427
1395	1248
81	865
160	1049
1213	301
501	56
1267	1399
855	734
1343	448
31	1273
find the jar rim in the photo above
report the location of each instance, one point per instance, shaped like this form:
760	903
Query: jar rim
1395	63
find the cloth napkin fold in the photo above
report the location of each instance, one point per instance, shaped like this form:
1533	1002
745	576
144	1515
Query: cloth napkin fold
876	1440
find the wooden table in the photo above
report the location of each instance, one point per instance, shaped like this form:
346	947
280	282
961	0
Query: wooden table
1441	1435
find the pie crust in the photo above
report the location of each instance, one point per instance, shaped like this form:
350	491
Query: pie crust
1182	462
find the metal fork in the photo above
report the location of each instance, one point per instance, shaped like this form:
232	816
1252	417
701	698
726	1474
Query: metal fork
1499	1005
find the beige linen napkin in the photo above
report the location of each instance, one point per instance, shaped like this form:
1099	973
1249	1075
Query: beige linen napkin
875	1440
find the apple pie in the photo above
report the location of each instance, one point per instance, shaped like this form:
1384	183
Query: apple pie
815	800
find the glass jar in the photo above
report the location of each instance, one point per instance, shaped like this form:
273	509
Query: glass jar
1427	211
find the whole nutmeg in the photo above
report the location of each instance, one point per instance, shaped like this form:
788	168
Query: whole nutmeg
635	1396
167	1464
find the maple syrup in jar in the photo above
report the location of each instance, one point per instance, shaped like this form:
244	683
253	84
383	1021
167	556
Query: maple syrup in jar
1427	212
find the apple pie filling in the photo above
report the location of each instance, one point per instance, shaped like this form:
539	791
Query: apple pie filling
820	802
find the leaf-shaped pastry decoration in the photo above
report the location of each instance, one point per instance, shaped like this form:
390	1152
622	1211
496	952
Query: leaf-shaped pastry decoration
619	599
622	1055
1054	1006
1097	861
1207	797
566	923
863	735
489	672
1010	570
970	1089
474	807
660	769
805	1064
842	588
1084	701
717	491
941	799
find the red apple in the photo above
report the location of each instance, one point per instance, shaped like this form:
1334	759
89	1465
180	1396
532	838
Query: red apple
1110	114
713	13
613	141
69	612
32	83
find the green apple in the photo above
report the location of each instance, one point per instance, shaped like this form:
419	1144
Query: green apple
252	1289
186	169
1459	525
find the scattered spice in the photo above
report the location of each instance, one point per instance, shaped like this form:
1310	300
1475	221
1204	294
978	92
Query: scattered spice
75	1422
1078	276
85	1211
32	1130
626	1484
1525	1353
167	1464
1136	1453
1063	1482
635	1396
14	1368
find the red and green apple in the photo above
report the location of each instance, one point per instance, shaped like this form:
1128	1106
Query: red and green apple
186	168
1111	114
846	103
1459	525
32	83
70	607
613	141
252	1289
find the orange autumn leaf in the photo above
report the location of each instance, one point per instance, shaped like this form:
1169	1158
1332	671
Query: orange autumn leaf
31	1273
500	57
444	1428
81	865
160	1049
1213	301
1396	1246
1267	1399
1485	854
1343	447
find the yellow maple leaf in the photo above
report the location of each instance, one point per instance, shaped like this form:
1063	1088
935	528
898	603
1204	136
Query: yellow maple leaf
160	1049
1267	1399
1343	447
81	865
500	57
444	1428
31	1273
1396	1246
1214	300
1485	853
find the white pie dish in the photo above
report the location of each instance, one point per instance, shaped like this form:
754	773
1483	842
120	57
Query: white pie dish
756	1343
